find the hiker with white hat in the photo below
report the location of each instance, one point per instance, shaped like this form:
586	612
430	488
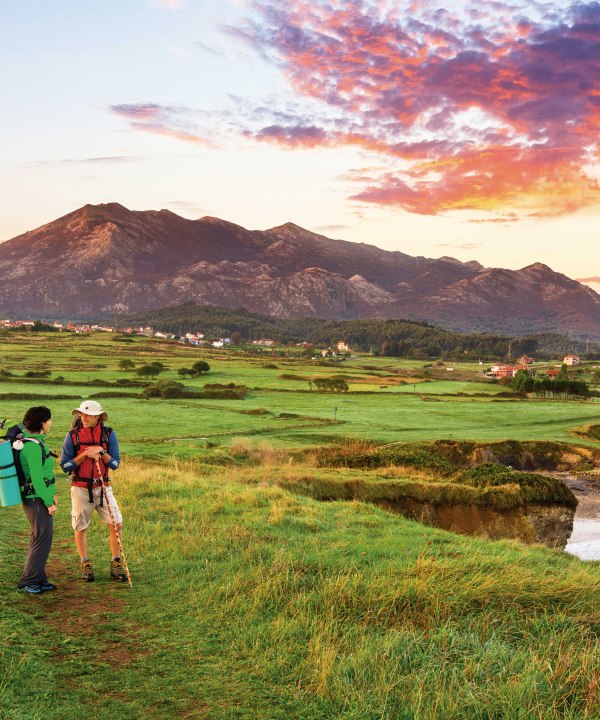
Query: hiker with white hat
89	451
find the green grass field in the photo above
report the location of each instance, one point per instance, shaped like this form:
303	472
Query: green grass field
252	602
377	407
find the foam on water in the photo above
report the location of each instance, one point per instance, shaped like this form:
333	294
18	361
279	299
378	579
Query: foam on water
585	540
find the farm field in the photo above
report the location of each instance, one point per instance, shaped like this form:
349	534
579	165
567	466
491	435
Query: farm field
280	407
253	602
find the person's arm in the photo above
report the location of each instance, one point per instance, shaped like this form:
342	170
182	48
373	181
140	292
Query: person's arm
32	452
66	456
112	458
68	461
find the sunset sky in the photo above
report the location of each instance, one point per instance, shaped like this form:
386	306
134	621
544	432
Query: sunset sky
469	129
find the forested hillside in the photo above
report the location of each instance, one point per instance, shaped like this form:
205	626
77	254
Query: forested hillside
401	338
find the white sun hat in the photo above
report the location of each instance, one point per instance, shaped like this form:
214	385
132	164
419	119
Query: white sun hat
90	407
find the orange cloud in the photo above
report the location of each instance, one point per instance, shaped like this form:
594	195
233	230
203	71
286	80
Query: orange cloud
527	93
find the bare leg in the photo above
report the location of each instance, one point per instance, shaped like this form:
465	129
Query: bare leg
114	539
81	543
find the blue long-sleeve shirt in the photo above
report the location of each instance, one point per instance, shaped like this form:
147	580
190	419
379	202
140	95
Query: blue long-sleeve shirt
67	455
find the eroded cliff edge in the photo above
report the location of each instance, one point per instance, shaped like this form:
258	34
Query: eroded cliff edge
481	489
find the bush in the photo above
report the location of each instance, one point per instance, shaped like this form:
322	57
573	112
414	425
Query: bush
127	382
166	389
365	455
38	373
331	385
200	366
532	487
149	370
115	394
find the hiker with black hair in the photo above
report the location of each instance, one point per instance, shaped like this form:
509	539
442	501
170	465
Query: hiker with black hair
89	451
39	497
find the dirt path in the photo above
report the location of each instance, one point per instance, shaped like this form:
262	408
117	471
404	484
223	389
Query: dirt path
79	609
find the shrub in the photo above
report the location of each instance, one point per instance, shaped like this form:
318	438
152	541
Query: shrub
127	382
200	366
115	394
166	389
38	373
532	487
149	370
420	457
331	385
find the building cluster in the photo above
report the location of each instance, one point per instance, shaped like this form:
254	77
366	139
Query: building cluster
197	339
526	363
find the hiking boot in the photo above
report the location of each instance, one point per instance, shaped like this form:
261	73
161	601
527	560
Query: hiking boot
117	570
87	570
46	586
32	588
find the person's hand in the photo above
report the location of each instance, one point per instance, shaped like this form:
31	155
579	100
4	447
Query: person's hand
52	509
93	451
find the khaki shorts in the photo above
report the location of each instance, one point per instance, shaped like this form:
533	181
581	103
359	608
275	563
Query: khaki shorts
82	508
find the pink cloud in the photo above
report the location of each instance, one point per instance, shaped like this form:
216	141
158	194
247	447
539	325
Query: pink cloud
399	81
174	122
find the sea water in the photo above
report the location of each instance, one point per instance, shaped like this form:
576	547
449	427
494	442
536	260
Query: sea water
585	540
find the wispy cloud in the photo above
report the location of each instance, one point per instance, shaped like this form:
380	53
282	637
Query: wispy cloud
107	160
461	246
332	228
169	4
175	122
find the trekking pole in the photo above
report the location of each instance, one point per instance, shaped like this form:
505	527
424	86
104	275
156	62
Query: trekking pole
116	529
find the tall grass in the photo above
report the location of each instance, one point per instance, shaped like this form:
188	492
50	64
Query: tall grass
251	602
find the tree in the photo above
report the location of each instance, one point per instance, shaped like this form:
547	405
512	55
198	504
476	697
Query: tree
331	385
236	337
126	364
183	372
200	366
148	370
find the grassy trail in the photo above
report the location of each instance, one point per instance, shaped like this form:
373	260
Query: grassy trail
249	602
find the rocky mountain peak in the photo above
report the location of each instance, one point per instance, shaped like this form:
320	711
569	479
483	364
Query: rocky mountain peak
138	260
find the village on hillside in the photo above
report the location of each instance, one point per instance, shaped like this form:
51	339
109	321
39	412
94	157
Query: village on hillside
339	350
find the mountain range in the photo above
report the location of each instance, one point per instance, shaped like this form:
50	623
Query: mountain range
103	260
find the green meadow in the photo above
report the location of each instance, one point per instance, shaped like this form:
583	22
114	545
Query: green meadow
250	600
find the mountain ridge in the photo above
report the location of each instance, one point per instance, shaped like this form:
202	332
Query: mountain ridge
107	259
